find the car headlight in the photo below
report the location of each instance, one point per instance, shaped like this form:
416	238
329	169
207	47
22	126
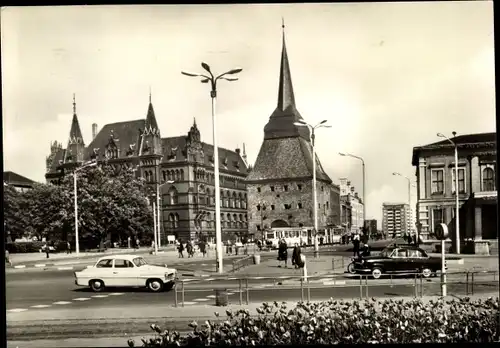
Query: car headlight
169	275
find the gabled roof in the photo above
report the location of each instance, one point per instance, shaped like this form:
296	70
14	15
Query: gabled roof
151	124
281	122
462	141
16	179
286	158
124	135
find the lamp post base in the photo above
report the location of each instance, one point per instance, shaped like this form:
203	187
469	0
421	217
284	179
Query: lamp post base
316	254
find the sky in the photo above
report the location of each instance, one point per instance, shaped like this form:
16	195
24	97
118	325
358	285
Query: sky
386	77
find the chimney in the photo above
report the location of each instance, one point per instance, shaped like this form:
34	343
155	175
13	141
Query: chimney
238	150
94	130
352	189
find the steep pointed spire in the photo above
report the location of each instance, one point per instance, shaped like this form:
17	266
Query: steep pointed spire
151	124
286	97
281	122
75	133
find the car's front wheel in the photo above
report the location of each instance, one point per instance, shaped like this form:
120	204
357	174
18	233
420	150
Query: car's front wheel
426	272
350	268
376	273
96	285
155	285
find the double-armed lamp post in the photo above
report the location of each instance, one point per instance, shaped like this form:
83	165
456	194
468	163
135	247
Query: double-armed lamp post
409	202
364	186
213	94
77	238
457	204
312	128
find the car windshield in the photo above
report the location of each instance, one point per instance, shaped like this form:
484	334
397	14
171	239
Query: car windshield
386	252
139	261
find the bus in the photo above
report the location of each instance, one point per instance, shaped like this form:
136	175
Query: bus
291	235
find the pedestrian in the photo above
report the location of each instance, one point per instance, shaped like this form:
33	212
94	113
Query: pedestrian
356	242
296	255
259	244
189	249
7	257
410	240
47	249
180	248
68	245
137	243
282	252
203	248
366	251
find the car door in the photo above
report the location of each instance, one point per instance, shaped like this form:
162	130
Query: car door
124	273
419	260
400	260
104	270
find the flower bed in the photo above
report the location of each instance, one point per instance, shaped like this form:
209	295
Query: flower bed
336	322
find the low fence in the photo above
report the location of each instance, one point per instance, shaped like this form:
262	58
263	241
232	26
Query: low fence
244	262
463	283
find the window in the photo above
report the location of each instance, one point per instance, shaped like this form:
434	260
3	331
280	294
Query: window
299	186
272	188
437	181
322	189
285	188
119	263
258	227
106	263
399	253
414	253
437	217
272	207
299	205
258	207
461	180
258	189
488	179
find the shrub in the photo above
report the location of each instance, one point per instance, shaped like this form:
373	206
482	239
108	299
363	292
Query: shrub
334	322
24	247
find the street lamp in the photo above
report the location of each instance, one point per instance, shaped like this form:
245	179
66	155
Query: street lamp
364	185
409	197
315	198
213	94
77	239
457	222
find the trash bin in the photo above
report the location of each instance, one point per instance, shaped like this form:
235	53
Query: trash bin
256	259
221	298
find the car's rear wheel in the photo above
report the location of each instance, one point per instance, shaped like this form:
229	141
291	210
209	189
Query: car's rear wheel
376	273
426	272
350	268
96	285
155	285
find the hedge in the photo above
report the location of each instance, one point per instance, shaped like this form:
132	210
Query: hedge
32	247
344	322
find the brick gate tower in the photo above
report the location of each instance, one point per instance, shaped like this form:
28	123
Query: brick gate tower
280	184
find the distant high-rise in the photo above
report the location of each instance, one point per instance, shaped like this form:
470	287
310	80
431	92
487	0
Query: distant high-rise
396	219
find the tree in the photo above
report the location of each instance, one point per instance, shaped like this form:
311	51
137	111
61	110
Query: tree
14	218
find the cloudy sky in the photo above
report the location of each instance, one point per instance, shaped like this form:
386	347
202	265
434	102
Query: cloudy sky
387	77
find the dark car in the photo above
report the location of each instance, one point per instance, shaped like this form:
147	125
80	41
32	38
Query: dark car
399	259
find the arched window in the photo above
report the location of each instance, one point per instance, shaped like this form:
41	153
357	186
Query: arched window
239	202
176	220
164	176
177	175
173	196
233	201
245	201
171	221
209	197
241	217
488	179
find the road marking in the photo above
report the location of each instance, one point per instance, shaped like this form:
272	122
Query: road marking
64	268
205	264
40	265
209	279
41	306
205	275
82	299
189	303
211	296
201	299
257	278
61	302
100	296
334	282
283	277
17	310
188	280
230	293
20	266
325	279
232	278
116	294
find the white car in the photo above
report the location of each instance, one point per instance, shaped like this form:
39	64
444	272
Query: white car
126	271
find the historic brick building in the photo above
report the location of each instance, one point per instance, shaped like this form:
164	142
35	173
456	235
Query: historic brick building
187	203
477	167
280	183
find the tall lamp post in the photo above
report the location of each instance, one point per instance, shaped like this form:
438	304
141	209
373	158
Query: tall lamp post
77	238
457	204
213	94
315	195
409	198
364	185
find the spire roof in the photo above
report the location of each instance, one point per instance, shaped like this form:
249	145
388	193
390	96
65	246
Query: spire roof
75	133
281	122
151	124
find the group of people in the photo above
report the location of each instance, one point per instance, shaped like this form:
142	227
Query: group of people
359	250
190	248
297	260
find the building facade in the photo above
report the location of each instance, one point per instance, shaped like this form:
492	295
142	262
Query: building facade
280	192
477	186
396	219
371	226
180	168
353	206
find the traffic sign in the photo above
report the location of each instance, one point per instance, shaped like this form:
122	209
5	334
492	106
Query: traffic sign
441	231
